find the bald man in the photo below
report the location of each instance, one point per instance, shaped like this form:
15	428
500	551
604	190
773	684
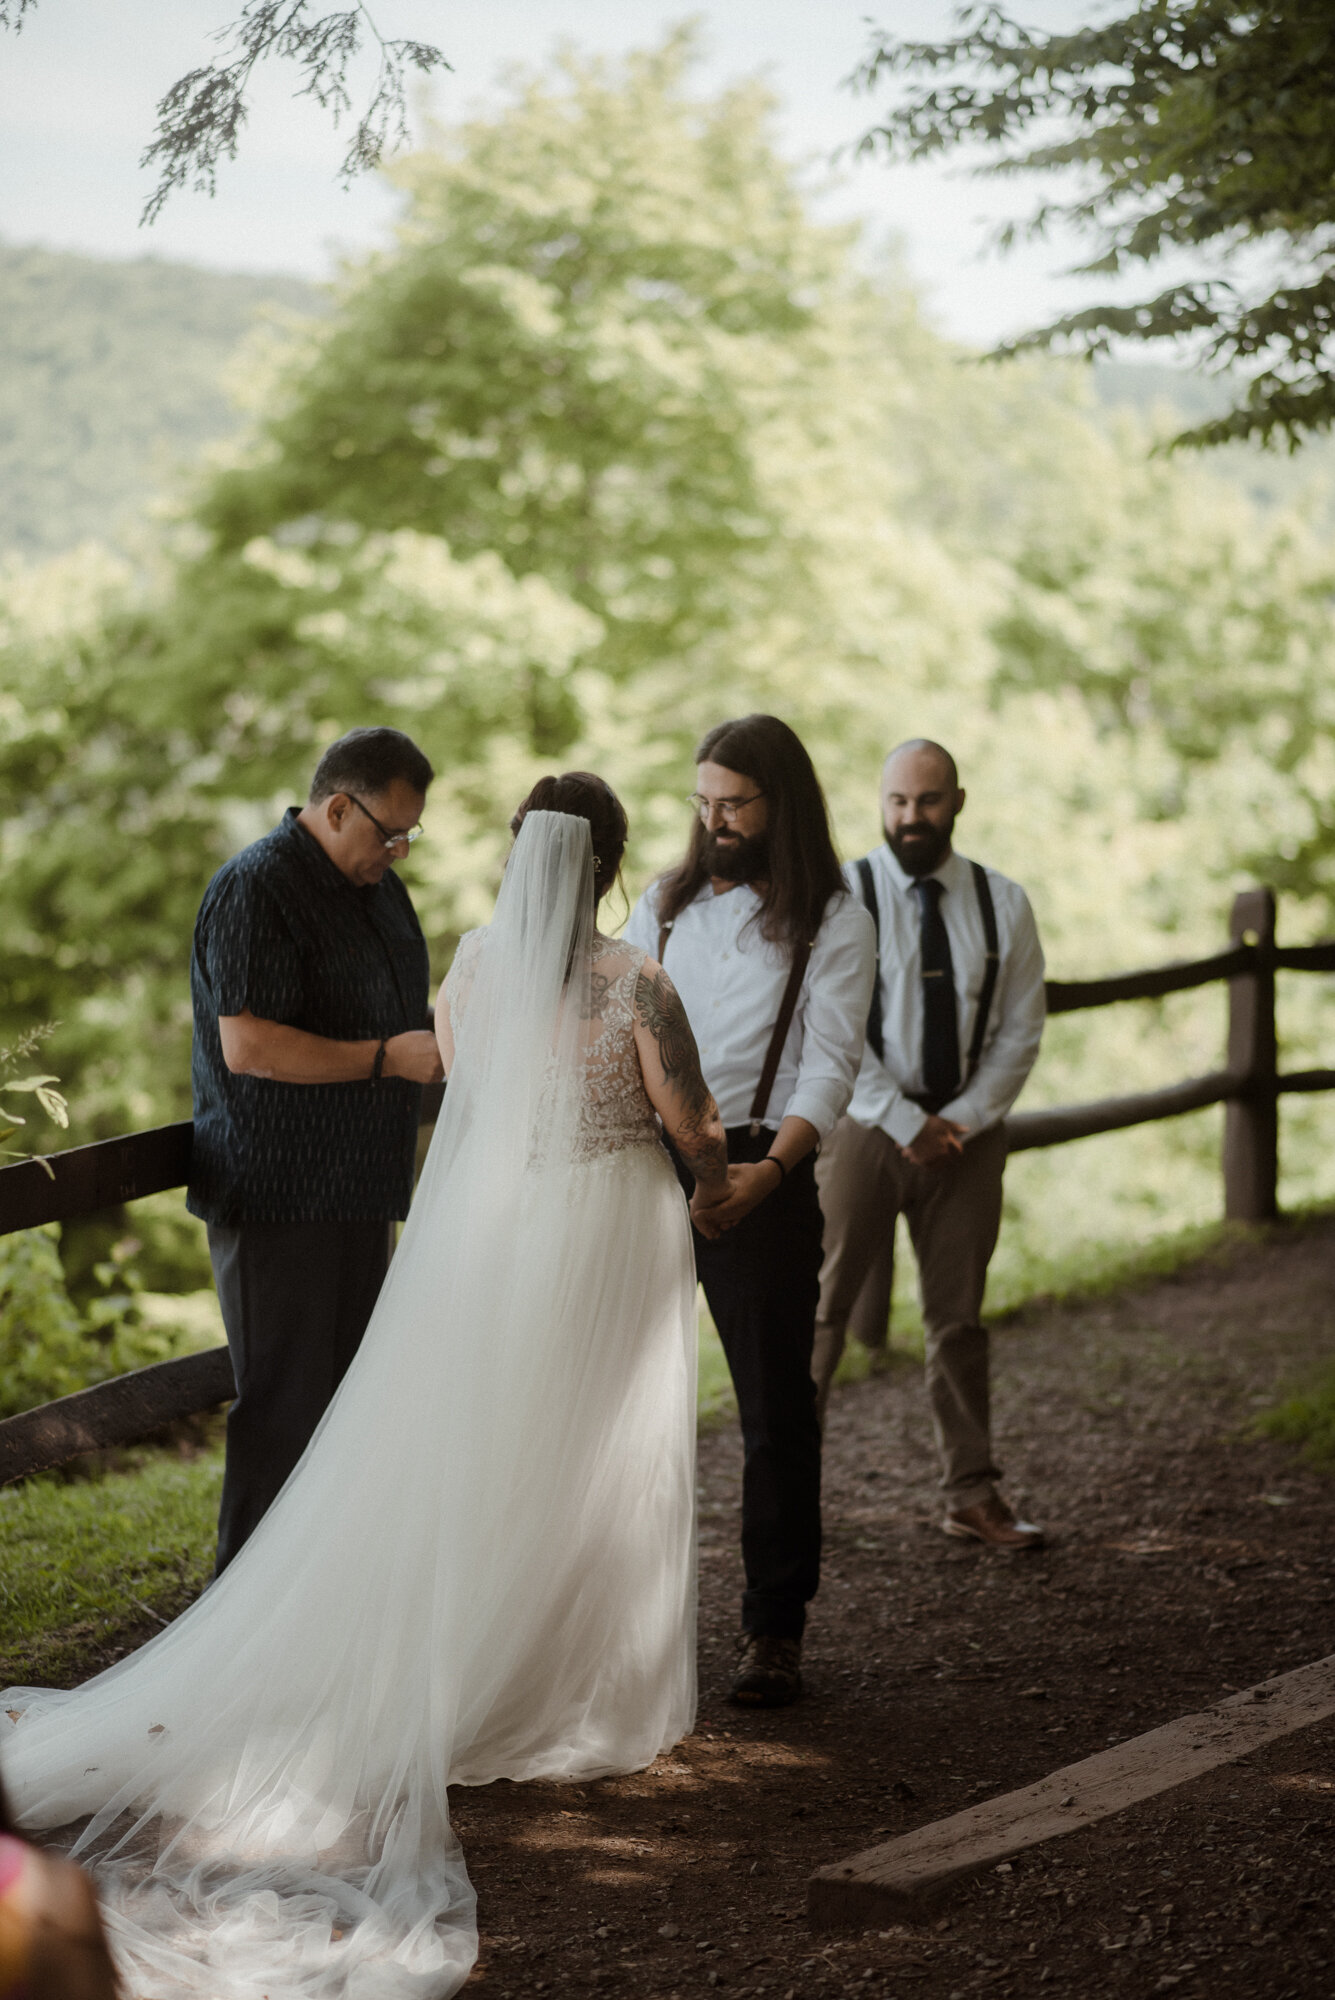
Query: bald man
956	1021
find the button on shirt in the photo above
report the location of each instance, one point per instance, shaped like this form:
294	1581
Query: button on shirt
1015	1018
283	933
731	983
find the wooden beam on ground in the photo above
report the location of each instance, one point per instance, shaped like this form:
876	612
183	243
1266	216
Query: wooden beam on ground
121	1411
906	1876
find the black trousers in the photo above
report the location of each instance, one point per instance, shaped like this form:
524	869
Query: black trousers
295	1298
762	1281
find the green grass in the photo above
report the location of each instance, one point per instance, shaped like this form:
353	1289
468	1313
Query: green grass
1025	1278
1306	1419
83	1561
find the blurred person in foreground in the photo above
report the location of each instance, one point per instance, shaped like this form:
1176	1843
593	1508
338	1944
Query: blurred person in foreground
309	985
954	1030
773	959
51	1942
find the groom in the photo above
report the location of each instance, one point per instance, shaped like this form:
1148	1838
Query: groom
309	983
774	963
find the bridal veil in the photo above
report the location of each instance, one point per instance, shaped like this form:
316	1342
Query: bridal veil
482	1567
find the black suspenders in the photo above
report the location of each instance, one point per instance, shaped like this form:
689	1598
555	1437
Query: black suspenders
779	1032
876	1017
991	965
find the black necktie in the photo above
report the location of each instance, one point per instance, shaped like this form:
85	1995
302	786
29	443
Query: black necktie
940	1024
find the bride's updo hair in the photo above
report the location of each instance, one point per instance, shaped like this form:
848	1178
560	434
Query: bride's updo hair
584	795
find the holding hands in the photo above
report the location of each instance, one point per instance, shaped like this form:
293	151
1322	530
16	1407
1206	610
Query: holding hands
718	1207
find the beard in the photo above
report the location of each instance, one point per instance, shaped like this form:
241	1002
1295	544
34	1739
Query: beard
919	847
737	857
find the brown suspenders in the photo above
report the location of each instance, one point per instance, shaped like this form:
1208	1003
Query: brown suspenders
787	1008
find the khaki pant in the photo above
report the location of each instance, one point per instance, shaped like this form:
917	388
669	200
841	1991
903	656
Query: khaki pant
954	1212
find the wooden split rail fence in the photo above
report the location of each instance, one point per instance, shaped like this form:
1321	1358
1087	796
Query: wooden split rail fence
114	1171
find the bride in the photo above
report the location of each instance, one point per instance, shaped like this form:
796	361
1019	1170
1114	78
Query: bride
483	1566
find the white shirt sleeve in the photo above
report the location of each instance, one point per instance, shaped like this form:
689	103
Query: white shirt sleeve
834	1023
642	928
1019	1009
900	1116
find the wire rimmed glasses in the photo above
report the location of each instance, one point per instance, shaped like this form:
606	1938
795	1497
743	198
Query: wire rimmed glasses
727	809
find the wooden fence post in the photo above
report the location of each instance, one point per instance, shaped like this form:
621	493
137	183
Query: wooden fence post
1251	1122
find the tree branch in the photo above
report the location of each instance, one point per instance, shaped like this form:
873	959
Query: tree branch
201	117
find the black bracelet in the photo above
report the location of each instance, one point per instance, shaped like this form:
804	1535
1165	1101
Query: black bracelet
774	1159
378	1065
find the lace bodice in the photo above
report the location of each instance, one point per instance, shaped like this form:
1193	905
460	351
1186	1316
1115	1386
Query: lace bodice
615	1111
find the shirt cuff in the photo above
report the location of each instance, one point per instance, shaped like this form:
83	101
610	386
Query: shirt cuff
822	1108
974	1117
905	1121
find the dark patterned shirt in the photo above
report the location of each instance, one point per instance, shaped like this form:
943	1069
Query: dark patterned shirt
283	933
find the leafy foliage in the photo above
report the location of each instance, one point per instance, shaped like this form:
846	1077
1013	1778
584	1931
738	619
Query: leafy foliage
51	1345
201	117
1197	125
38	1084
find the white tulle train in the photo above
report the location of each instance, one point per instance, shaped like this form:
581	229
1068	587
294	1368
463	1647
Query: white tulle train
483	1567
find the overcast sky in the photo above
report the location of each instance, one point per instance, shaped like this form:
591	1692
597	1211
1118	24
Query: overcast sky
78	86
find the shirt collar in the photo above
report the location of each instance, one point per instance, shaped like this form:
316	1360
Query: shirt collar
949	874
310	853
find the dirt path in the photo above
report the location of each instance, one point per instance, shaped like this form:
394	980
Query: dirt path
1187	1559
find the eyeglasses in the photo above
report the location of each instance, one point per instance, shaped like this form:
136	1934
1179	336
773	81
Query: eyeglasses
727	809
391	840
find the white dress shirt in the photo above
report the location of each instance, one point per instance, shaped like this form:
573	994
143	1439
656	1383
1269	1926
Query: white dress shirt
1015	1019
731	984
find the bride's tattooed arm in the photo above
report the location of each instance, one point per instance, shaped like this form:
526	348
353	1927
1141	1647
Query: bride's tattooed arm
677	1089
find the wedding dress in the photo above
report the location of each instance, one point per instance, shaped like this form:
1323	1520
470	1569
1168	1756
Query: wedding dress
482	1567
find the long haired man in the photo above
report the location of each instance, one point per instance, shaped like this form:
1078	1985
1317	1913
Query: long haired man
774	962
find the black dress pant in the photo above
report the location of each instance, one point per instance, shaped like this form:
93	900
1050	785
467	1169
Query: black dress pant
295	1298
762	1281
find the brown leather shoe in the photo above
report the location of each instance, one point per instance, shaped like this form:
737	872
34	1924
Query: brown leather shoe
992	1523
769	1673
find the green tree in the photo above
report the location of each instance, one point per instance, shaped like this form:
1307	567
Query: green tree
552	439
1204	126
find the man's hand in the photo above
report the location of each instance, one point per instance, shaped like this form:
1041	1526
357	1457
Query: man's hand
748	1184
940	1139
414	1055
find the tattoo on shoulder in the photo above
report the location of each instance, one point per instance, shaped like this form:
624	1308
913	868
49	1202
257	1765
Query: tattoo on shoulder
658	1005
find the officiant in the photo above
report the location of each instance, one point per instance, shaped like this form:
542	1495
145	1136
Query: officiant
309	986
773	960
